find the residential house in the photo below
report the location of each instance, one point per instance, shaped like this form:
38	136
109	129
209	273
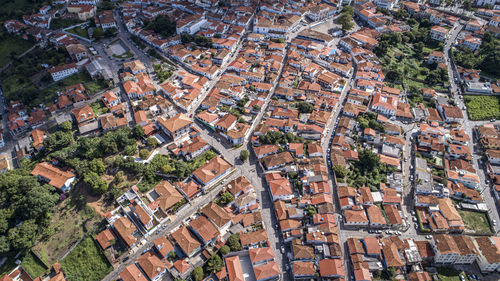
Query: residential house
186	241
218	216
212	171
61	179
177	126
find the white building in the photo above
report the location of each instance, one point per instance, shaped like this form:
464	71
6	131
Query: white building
488	258
63	71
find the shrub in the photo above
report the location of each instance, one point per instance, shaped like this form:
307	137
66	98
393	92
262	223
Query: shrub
144	153
244	154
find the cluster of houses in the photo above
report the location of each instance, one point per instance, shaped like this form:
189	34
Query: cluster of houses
444	174
469	38
33	25
193	241
297	182
488	136
369	256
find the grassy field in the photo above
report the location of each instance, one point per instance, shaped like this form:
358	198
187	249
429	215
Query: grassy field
125	55
10	44
63	23
483	107
86	262
475	221
71	220
79	31
448	274
99	108
32	265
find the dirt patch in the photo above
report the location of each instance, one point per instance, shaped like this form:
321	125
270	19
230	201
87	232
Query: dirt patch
95	201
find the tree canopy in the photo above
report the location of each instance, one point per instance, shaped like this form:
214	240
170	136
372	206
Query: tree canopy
25	209
345	18
214	264
162	25
305	107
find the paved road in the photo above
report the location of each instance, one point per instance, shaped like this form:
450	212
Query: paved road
468	126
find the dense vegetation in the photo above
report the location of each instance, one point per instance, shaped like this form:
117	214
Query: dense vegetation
487	59
199	40
175	168
162	72
345	18
483	107
17	8
86	262
368	170
369	120
12	46
162	25
304	107
25	209
28	80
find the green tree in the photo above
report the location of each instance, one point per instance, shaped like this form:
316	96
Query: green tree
311	210
38	202
152	142
162	25
244	154
172	255
214	264
368	161
234	242
97	166
143	153
23	236
345	18
340	171
4	244
138	132
57	141
198	273
224	250
98	33
130	149
97	184
305	107
226	198
66	126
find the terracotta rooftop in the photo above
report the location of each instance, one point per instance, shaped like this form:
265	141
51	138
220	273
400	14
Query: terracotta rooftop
125	228
56	176
216	214
234	270
132	273
168	195
151	265
204	228
212	169
185	240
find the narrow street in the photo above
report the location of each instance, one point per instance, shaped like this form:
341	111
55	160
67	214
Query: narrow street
468	126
